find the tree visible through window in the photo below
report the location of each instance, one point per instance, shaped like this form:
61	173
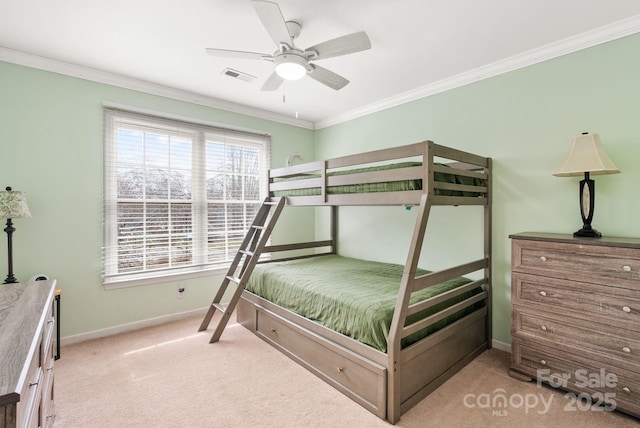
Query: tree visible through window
178	197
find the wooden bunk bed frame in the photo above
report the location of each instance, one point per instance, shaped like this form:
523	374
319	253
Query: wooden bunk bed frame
387	384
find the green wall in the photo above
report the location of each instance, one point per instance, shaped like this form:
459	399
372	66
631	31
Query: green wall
51	147
524	120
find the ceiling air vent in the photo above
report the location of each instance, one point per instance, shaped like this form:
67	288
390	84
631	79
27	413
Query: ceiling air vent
238	75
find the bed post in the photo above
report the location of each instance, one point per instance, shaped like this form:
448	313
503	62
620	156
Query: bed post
400	312
394	345
487	251
333	229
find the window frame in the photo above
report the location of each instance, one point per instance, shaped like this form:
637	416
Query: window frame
201	134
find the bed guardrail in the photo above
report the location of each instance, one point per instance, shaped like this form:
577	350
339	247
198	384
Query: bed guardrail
435	278
360	180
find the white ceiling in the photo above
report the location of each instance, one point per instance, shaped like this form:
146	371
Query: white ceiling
418	46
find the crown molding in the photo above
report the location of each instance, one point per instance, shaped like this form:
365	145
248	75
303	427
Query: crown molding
607	33
92	74
566	46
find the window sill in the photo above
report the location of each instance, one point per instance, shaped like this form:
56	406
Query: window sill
159	278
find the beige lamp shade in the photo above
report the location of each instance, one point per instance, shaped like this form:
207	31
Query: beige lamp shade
13	204
586	155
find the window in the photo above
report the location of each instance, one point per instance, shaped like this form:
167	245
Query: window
178	197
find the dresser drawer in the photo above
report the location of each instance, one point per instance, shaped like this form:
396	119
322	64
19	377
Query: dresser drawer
361	380
614	266
47	406
619	306
27	414
578	373
48	334
620	348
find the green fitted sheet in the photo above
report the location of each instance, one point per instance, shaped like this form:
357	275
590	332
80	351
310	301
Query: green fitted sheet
387	186
351	296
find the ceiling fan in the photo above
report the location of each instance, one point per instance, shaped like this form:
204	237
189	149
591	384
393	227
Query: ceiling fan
292	63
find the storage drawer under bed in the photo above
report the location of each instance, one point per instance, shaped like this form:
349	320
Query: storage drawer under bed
361	380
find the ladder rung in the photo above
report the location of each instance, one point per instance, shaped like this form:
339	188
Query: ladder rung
253	245
220	307
234	279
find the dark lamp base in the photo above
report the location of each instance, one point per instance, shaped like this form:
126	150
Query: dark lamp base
587	201
10	280
587	233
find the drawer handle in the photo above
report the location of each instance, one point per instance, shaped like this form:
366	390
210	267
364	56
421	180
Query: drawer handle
626	389
626	349
543	258
543	293
273	330
340	369
33	384
543	328
543	362
627	309
626	268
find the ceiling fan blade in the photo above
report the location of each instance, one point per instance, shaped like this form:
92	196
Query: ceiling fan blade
327	77
237	54
271	17
273	82
350	43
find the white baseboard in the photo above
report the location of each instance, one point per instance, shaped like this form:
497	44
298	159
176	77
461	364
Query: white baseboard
110	331
506	347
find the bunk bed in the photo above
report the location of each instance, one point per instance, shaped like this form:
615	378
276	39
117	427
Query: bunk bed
432	323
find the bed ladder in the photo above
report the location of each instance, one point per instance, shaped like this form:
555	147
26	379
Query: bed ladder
246	257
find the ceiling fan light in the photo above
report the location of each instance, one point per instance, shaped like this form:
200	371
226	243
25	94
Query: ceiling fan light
291	67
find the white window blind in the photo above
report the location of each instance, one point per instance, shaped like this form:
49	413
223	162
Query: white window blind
178	197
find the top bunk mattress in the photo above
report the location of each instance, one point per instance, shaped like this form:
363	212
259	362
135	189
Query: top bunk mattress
354	297
383	186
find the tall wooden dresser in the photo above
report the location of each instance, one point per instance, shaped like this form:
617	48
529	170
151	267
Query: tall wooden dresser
576	317
27	352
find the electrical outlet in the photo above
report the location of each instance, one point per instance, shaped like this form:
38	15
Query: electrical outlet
180	289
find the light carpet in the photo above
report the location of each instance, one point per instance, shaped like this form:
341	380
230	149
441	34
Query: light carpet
170	376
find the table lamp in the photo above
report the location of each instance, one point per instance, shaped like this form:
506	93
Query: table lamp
12	205
586	156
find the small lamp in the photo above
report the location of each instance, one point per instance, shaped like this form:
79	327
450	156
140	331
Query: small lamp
586	156
12	205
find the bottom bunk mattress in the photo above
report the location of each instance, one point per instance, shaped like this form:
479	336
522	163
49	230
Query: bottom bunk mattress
354	297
